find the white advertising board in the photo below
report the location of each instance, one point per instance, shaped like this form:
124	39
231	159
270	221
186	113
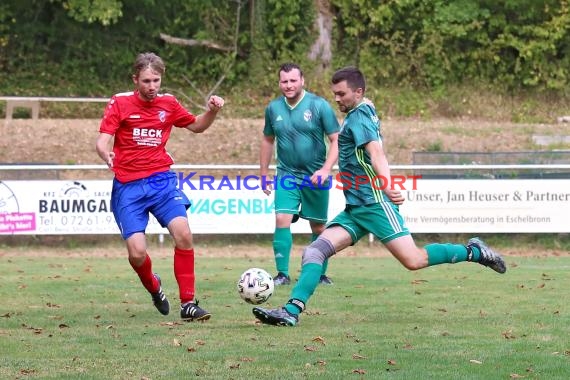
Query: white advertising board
436	206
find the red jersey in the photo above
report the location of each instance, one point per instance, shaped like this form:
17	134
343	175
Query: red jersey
141	131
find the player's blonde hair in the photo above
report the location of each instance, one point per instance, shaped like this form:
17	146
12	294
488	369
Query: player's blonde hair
148	60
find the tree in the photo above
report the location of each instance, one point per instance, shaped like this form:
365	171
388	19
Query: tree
231	53
321	49
105	12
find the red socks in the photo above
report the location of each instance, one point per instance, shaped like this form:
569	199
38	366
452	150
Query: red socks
148	279
184	273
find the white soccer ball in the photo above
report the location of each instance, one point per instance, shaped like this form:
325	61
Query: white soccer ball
255	286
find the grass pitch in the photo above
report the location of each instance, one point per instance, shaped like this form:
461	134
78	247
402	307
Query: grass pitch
89	318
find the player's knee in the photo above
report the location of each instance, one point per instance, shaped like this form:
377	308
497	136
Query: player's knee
183	239
311	255
413	263
137	258
317	252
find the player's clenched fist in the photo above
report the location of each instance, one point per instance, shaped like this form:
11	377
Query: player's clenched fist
215	103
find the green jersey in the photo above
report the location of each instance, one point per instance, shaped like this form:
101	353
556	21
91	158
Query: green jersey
359	182
300	132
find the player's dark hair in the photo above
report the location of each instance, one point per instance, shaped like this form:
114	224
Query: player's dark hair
148	60
353	77
286	67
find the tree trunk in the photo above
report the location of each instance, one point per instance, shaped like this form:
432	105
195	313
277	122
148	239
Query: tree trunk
321	48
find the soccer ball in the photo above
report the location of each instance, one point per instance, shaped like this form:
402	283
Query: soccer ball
255	286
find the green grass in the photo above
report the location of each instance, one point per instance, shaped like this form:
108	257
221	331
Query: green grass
89	318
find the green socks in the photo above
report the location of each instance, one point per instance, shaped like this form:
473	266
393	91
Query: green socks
282	243
305	287
449	253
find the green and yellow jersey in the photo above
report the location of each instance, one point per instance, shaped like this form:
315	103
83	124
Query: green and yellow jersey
359	182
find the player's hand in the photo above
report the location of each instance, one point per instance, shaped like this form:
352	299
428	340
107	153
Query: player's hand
215	103
320	177
266	187
395	196
110	158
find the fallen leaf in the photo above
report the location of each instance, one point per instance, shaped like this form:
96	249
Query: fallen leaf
541	286
247	359
319	339
508	334
359	371
356	356
63	326
169	324
200	342
475	361
235	366
176	342
392	362
516	376
191	349
310	348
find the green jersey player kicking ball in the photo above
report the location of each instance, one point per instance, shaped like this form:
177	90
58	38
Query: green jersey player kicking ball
368	209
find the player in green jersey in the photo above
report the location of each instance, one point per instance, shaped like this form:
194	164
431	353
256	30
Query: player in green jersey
370	207
299	122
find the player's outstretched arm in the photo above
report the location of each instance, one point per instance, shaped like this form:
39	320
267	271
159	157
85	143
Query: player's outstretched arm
204	120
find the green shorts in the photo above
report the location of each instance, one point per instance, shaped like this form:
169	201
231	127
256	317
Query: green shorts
310	203
383	220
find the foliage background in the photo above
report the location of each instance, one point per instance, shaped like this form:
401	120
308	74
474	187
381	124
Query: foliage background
421	57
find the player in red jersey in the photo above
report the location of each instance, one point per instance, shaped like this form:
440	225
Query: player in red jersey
140	122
